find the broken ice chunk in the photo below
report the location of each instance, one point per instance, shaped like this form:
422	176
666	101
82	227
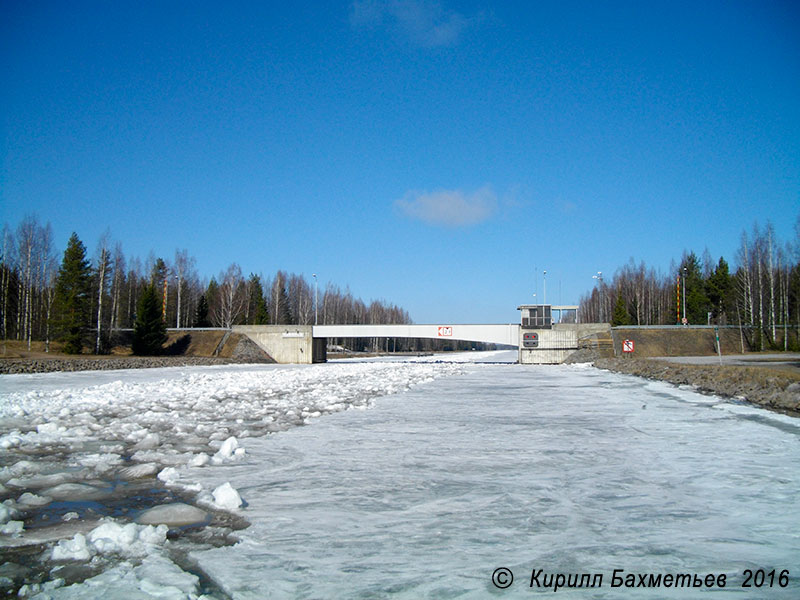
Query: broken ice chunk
176	514
226	497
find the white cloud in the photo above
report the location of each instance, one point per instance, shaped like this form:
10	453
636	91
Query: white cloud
424	22
450	208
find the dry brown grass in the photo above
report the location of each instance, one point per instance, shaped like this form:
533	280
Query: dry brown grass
202	343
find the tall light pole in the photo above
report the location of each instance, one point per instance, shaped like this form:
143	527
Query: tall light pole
544	287
599	278
178	318
314	275
684	295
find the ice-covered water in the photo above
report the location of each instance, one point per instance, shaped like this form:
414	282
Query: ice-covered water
563	469
566	469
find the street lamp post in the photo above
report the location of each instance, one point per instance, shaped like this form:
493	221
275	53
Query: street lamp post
314	275
544	287
599	278
178	318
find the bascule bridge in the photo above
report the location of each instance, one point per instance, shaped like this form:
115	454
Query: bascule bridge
546	334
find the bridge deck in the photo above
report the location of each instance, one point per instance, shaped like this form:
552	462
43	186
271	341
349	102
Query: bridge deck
490	334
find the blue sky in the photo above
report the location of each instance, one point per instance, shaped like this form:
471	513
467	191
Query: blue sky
438	155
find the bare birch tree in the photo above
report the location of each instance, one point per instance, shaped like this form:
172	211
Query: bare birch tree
117	284
184	265
102	267
7	266
232	298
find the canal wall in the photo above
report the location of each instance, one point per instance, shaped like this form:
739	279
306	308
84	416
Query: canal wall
289	344
562	343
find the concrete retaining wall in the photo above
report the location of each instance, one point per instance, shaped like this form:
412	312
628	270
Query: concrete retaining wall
292	344
555	345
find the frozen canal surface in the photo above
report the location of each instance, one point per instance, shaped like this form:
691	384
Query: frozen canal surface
462	469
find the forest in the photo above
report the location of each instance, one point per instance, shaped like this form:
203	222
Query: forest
759	292
80	299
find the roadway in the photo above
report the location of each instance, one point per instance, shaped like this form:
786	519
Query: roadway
784	360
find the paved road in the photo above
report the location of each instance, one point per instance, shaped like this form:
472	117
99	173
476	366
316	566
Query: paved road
786	360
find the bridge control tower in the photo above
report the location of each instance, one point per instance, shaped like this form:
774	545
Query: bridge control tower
543	342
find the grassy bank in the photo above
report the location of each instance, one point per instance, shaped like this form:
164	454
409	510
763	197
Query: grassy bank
194	348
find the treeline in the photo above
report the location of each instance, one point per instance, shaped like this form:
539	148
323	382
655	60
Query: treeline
760	293
80	300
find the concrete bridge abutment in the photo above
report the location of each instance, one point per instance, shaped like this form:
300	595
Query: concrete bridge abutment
287	344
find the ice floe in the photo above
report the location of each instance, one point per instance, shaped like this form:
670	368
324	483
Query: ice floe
176	514
74	439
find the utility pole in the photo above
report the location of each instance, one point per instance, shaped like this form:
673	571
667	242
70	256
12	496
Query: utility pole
544	287
314	275
684	296
178	318
599	278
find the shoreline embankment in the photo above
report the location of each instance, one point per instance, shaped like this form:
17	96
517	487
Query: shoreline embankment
17	366
770	388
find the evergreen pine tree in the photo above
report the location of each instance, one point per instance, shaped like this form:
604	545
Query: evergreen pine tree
719	289
149	330
621	316
256	297
697	303
262	311
201	315
280	300
71	301
159	273
212	298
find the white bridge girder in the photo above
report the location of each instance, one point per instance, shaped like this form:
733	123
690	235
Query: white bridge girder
489	334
